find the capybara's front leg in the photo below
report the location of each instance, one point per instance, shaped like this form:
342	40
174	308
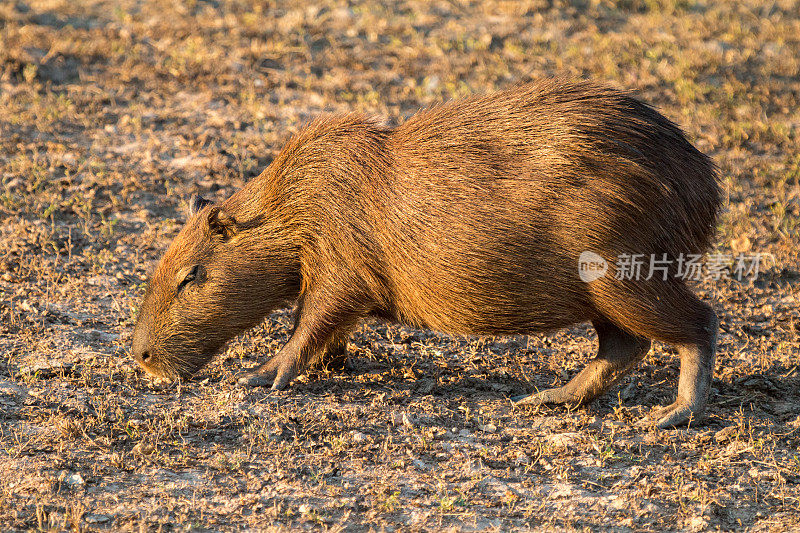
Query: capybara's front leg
322	319
282	367
306	345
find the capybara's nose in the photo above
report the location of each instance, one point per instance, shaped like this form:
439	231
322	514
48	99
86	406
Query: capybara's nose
139	348
143	357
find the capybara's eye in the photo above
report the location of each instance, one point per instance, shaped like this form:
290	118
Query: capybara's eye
190	277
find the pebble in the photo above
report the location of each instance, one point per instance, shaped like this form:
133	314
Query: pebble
725	434
420	465
563	440
75	480
143	448
474	467
10	388
402	419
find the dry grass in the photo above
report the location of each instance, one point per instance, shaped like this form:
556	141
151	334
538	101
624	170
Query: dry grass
112	113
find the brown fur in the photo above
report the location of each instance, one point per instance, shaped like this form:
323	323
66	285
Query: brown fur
469	219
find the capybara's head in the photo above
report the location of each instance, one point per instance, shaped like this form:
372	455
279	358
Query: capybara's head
219	277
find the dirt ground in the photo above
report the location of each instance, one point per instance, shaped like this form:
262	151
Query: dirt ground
112	113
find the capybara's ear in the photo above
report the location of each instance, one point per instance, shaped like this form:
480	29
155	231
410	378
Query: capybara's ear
196	203
221	222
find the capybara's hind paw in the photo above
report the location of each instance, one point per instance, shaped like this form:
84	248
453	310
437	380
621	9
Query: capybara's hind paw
336	364
557	395
677	414
256	379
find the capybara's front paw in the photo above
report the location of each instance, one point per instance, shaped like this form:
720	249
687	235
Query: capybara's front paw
277	372
263	376
286	372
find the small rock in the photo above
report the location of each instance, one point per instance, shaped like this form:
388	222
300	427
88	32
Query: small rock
305	509
562	440
401	419
426	386
698	523
499	387
725	434
96	518
488	428
617	504
75	480
595	424
95	335
650	508
143	448
473	467
9	388
420	465
741	244
27	307
650	438
359	437
629	392
464	433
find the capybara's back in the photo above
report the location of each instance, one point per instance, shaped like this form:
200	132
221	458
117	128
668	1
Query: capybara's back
472	217
491	201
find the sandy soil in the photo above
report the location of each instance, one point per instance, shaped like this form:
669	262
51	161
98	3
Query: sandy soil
113	112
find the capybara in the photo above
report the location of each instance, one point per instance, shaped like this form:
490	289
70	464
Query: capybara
470	218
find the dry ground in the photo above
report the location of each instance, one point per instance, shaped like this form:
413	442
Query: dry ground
113	112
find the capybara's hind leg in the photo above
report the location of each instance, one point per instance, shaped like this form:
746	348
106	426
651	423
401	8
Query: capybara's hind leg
617	354
694	384
668	311
335	357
